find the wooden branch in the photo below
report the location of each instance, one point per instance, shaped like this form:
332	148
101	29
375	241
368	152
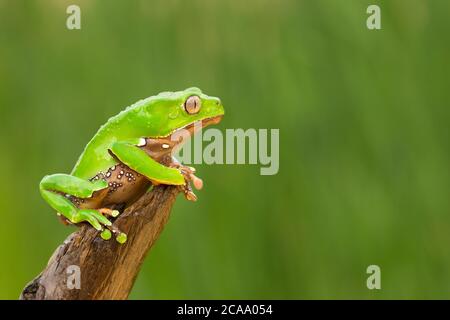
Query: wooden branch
107	269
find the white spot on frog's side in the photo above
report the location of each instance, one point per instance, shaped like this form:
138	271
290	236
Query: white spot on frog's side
165	146
108	174
142	142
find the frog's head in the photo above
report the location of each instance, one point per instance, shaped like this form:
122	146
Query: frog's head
189	109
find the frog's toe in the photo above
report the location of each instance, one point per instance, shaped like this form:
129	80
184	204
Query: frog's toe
101	218
109	231
106	234
188	193
121	238
109	212
197	182
93	217
115	213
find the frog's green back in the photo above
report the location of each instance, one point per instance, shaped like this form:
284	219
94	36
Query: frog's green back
156	116
124	126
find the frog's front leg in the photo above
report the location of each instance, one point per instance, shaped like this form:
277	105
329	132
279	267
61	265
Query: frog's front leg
189	175
138	160
174	174
56	188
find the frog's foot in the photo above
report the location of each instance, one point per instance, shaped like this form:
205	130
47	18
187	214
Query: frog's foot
189	176
188	193
93	217
96	219
106	233
120	236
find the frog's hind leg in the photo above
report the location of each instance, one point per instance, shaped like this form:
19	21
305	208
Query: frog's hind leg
56	188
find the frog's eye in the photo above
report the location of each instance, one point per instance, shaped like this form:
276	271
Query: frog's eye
193	104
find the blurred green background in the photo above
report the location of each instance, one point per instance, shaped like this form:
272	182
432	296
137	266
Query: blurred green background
364	128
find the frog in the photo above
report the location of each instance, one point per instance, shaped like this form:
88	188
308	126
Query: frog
128	155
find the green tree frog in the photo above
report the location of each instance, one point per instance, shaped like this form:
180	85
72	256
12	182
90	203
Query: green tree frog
129	153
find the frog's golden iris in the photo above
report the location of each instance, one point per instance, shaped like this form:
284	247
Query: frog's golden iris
193	104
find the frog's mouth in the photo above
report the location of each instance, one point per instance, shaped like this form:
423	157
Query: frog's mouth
184	133
162	149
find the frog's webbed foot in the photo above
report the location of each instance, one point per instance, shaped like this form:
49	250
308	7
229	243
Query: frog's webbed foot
97	218
106	233
189	176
